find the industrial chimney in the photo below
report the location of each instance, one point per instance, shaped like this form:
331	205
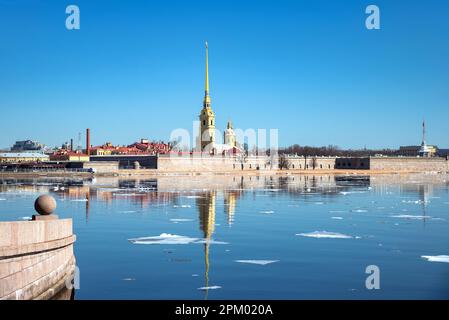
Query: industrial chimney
88	141
71	144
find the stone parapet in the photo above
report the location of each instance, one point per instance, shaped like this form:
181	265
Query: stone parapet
36	258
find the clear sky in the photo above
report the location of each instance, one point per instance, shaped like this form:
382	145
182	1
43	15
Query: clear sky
311	69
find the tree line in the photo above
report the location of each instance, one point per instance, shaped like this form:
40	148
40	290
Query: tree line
334	151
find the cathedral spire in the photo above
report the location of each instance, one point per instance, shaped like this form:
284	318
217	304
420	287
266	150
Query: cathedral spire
206	101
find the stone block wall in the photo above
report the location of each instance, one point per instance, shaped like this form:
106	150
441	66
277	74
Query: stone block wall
410	164
36	257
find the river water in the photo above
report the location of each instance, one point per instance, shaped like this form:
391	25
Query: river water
251	237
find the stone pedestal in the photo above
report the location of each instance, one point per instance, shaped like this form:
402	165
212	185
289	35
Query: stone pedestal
47	217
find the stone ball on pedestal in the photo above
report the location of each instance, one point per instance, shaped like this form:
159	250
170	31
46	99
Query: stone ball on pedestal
45	205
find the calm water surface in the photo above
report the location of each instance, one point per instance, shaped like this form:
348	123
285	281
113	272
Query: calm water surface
293	237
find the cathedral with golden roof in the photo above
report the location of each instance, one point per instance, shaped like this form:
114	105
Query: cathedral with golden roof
206	141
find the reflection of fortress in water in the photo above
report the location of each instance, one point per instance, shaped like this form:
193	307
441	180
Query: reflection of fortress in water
210	194
165	191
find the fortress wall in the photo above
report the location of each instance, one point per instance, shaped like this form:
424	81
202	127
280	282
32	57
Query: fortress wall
212	163
36	257
311	163
410	164
234	164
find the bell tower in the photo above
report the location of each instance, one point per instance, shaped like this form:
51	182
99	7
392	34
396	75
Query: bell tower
207	116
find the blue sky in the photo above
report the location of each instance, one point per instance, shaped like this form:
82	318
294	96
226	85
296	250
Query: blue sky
309	68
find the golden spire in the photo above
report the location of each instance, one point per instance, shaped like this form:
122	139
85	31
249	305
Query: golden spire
206	101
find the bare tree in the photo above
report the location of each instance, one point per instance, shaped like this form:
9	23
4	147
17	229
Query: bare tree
284	163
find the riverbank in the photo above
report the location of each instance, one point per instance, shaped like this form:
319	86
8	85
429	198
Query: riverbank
159	173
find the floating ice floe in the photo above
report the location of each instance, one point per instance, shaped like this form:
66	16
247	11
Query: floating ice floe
181	220
166	238
414	217
258	262
267	211
350	192
272	190
209	288
415	201
182	206
337	218
441	258
211	241
325	234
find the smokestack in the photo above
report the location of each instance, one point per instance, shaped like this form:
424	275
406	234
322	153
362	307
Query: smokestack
88	141
71	144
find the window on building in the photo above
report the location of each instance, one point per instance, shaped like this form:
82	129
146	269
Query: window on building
204	122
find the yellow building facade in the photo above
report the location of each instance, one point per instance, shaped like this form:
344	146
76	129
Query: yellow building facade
17	157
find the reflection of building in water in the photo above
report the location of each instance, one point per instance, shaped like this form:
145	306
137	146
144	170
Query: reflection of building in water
230	202
423	191
206	210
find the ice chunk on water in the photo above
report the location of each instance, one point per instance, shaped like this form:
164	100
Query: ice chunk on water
415	201
441	258
211	241
167	238
164	238
325	234
209	288
259	262
414	217
350	192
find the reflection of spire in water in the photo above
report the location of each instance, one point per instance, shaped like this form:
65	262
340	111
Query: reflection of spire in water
206	209
87	205
424	195
206	272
